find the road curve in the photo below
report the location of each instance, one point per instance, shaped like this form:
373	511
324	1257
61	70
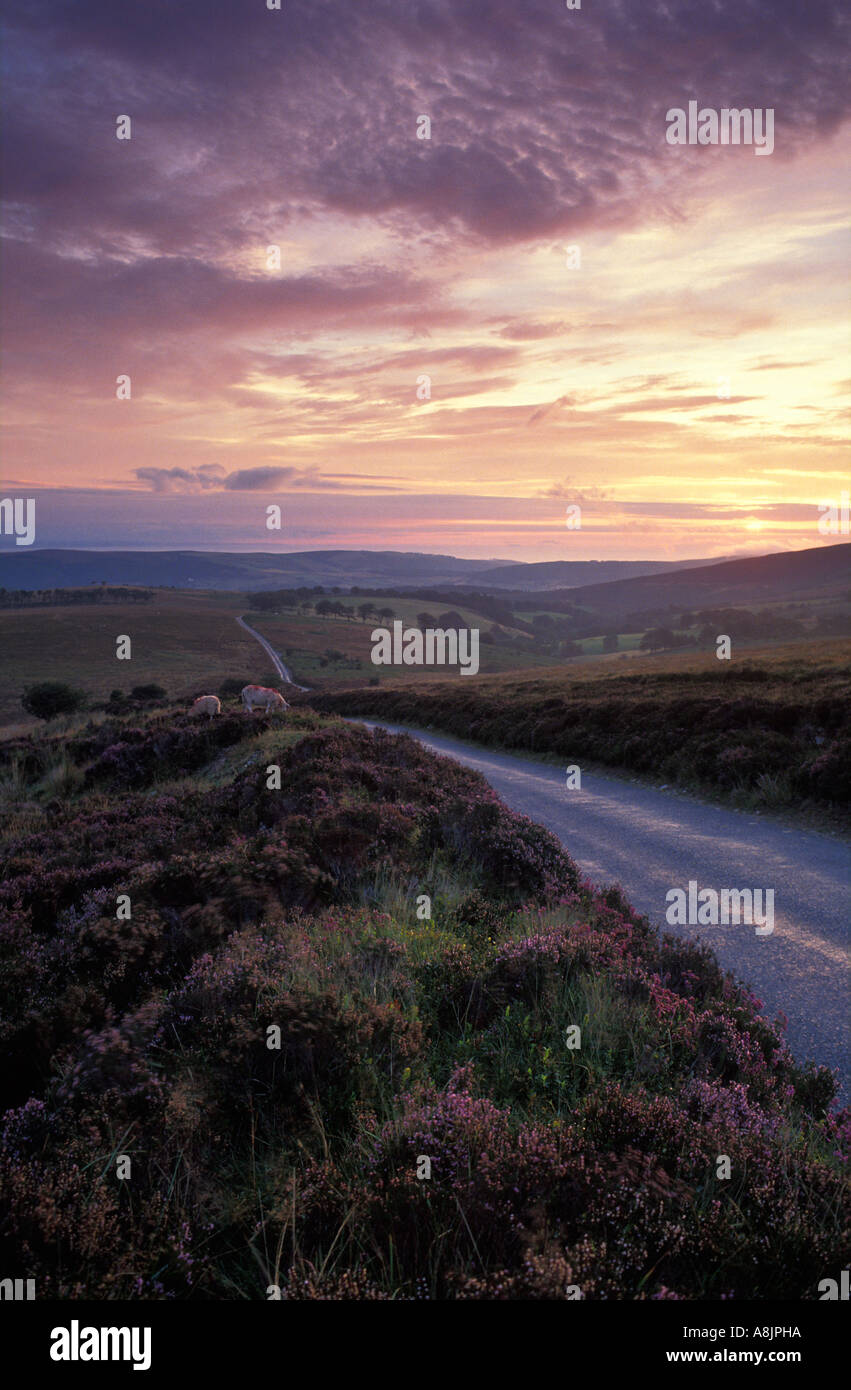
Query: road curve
650	841
282	670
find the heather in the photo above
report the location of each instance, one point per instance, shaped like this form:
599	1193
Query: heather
767	730
402	1037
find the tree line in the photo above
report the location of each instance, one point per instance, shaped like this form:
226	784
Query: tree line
46	598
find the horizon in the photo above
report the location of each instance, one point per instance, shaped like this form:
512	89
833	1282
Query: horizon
113	520
496	560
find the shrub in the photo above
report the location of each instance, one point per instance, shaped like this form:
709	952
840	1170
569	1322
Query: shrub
148	692
52	698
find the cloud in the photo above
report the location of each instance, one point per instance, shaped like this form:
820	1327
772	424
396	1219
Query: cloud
270	478
527	330
544	410
244	117
202	479
570	491
298	128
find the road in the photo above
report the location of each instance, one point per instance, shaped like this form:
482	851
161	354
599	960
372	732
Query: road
653	840
282	670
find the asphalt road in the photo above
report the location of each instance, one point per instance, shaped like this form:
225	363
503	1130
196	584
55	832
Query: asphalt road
651	841
282	670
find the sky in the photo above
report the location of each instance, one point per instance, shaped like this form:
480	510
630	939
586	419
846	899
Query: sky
433	344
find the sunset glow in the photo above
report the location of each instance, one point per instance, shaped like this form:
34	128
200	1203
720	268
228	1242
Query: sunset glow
683	381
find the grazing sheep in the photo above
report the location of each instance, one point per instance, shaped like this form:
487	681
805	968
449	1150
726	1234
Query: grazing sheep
262	697
207	704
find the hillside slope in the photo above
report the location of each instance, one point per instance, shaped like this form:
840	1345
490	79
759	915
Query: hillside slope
571	574
797	574
368	1036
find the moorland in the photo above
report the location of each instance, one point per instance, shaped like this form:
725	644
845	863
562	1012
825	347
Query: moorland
368	1034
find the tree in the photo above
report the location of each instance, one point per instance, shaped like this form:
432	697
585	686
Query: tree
51	698
611	642
657	639
148	692
387	614
427	620
451	620
366	610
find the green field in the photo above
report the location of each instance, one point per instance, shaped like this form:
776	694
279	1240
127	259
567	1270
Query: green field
301	641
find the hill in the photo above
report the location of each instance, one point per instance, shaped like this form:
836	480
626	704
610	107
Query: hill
571	574
247	572
819	572
368	1036
193	569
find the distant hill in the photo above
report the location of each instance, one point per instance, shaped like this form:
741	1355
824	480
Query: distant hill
822	571
191	569
570	574
605	585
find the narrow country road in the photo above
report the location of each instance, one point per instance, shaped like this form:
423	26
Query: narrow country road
282	670
650	841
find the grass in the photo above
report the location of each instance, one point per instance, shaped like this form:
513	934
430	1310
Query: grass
180	641
769	728
303	640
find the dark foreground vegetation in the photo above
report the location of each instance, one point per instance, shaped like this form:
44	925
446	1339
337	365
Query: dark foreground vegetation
402	1038
774	729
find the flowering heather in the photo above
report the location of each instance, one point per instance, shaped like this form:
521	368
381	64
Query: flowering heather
739	732
318	1088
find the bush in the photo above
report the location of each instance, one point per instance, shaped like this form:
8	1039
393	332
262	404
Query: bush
148	692
52	698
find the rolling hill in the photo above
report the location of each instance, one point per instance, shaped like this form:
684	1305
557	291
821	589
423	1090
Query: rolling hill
819	572
192	569
571	574
249	571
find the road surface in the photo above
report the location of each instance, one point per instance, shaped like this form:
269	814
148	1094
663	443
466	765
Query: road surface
282	670
651	841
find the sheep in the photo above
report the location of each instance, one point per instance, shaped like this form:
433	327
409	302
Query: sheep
262	697
207	704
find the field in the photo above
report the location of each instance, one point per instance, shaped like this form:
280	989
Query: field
180	641
368	1036
190	642
303	641
770	727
